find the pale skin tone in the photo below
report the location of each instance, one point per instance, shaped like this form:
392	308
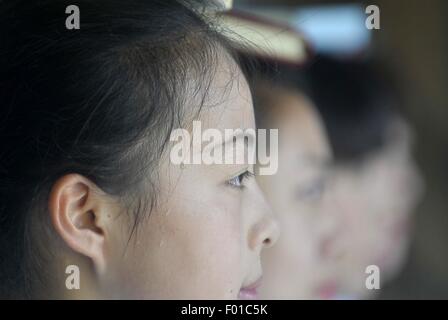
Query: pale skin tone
377	198
300	265
204	238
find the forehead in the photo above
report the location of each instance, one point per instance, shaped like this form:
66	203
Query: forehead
300	127
228	100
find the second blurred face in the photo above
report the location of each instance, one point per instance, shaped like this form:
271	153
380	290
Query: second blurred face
376	198
300	265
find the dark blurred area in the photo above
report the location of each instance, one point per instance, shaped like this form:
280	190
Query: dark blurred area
413	43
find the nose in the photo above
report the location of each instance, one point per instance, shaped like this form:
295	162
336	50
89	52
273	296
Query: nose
264	234
330	230
329	244
265	231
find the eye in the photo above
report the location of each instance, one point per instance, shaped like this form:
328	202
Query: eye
312	192
237	181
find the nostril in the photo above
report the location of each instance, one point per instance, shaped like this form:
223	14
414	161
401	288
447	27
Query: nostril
264	233
268	242
261	237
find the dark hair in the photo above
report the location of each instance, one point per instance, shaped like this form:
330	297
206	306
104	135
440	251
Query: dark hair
100	101
356	102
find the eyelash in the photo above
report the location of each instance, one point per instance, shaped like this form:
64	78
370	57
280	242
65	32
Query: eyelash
237	181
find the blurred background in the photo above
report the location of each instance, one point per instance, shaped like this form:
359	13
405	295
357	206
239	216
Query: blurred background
413	41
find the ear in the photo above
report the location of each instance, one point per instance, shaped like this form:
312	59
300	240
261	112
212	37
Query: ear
79	214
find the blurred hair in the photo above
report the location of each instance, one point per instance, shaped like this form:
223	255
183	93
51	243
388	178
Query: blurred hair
100	101
356	102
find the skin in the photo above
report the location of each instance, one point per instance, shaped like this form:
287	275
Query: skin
204	238
377	198
300	265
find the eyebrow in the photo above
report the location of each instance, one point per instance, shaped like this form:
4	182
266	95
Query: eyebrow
316	160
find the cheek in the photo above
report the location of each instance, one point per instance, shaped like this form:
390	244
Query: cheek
208	238
295	248
290	265
191	251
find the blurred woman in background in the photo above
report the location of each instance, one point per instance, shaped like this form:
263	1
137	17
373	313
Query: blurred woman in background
301	264
376	181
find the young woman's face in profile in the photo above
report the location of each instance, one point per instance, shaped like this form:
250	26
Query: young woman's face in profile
204	238
377	200
299	265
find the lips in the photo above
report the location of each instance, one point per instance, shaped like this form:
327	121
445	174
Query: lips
250	292
327	291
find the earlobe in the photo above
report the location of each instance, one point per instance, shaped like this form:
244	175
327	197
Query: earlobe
75	211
